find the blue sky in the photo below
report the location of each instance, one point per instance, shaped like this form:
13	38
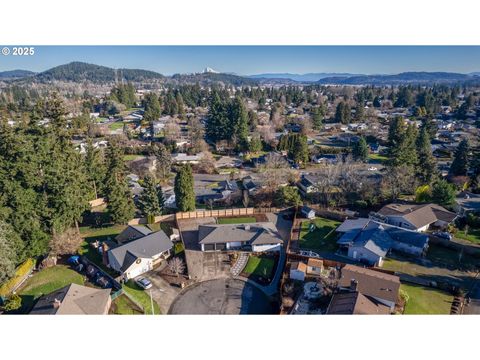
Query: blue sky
249	60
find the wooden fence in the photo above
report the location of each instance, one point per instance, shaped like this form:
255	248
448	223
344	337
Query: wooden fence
138	221
223	212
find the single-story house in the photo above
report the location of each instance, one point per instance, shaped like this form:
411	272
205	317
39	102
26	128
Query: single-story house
382	287
467	203
355	303
74	299
257	236
183	158
418	217
307	212
298	270
370	241
140	255
307	184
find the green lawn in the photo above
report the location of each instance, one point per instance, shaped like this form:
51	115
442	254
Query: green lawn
449	257
259	266
122	305
101	234
377	158
116	125
47	281
131	157
236	220
423	300
473	235
141	296
323	238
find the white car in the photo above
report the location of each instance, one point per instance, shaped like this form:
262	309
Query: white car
372	168
143	282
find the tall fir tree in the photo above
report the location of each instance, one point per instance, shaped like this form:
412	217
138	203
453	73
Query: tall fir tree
426	169
149	202
360	150
460	161
184	193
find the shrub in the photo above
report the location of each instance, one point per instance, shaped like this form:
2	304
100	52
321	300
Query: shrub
20	273
14	302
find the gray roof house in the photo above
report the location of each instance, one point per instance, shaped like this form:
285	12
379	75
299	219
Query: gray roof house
370	241
74	299
132	232
259	236
140	255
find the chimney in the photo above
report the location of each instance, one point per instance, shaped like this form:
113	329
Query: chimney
56	303
353	285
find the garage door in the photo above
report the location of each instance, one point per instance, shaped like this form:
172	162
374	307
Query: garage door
221	246
209	247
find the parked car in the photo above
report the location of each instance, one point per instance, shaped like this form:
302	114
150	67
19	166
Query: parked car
372	168
309	253
443	235
143	282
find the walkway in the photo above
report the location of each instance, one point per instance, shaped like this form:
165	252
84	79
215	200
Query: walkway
240	264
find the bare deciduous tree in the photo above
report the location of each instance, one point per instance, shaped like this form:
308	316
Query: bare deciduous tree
176	266
66	243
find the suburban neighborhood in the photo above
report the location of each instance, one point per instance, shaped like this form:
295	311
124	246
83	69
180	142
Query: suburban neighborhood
128	192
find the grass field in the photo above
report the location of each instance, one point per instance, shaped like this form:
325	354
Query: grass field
323	238
473	235
259	266
101	234
122	305
236	220
377	158
423	300
141	296
131	157
116	125
47	281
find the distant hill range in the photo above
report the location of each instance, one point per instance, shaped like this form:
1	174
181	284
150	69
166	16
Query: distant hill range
402	79
15	74
309	77
97	74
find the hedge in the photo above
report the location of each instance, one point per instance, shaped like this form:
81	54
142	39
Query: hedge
20	273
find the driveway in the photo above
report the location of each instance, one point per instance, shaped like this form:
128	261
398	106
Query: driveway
162	292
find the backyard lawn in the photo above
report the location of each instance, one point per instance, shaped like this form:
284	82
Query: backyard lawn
472	235
377	158
46	281
260	266
101	234
236	220
141	296
323	238
116	125
122	305
131	157
423	300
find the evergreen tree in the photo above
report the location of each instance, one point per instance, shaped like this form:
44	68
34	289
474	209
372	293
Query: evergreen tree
359	113
95	169
238	118
460	163
299	154
343	113
119	197
360	150
288	196
396	140
217	127
255	144
184	193
149	201
317	118
163	165
443	193
152	107
426	169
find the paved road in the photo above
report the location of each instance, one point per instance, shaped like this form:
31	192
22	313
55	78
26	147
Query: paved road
222	296
162	292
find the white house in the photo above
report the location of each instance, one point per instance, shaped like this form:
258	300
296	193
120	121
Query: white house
140	255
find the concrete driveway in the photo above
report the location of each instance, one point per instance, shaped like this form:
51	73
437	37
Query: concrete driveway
162	292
